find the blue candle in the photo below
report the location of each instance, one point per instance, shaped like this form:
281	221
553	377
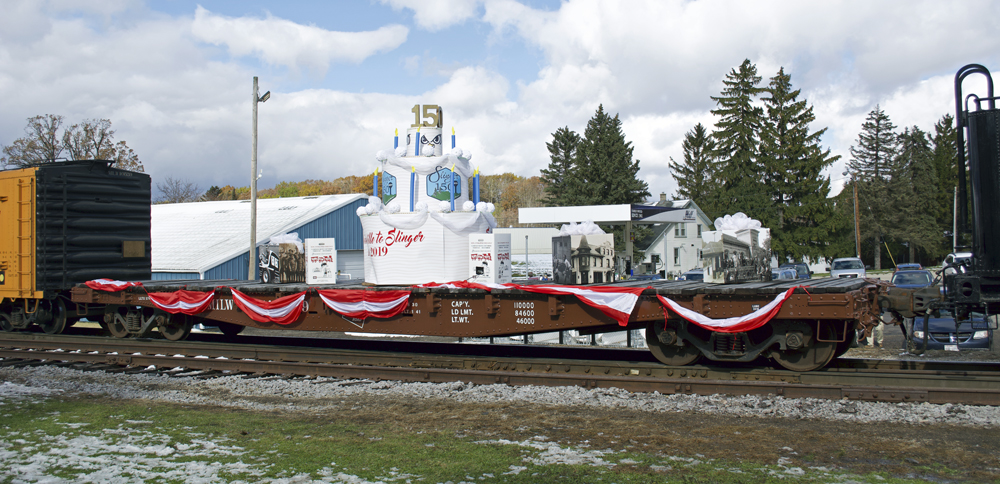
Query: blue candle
475	188
375	183
451	185
416	150
395	140
452	137
413	179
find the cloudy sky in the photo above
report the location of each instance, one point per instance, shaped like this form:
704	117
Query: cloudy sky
175	76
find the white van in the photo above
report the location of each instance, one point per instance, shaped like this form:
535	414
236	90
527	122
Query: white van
847	267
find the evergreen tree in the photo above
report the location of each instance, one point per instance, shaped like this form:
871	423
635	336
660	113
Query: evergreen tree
792	162
871	168
915	206
945	161
562	152
737	130
696	174
605	173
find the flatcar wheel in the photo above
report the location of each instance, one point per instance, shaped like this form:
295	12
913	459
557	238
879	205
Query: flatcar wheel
175	327
5	324
230	329
55	323
117	328
672	355
843	346
811	357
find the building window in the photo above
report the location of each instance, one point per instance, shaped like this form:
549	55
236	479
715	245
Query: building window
677	256
699	231
699	253
680	230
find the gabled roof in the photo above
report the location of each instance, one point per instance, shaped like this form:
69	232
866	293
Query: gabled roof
194	237
659	231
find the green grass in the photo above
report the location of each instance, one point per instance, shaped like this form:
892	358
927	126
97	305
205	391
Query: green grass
135	441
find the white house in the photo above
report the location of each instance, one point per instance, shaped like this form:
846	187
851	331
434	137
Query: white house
674	248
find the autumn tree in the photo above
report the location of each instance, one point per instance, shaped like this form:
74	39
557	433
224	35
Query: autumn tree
91	139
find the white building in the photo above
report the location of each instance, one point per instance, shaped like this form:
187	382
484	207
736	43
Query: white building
674	248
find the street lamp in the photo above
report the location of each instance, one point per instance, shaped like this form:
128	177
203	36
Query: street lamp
253	181
857	232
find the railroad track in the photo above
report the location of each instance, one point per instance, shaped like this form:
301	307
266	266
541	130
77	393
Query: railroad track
868	380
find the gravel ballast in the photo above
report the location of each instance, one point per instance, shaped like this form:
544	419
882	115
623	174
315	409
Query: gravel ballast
314	394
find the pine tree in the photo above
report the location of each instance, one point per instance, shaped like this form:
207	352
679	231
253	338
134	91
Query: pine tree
696	174
945	160
741	184
915	207
871	169
605	173
562	152
792	162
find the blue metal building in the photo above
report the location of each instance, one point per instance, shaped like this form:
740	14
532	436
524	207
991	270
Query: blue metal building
211	240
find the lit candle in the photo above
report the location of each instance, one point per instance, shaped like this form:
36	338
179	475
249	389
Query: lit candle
395	140
416	150
452	187
452	137
475	187
375	183
413	181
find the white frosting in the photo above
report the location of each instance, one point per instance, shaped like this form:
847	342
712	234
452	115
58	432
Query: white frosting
737	221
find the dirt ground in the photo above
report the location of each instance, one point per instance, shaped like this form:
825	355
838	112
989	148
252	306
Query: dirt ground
931	452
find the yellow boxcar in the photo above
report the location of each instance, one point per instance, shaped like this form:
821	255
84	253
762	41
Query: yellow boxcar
62	224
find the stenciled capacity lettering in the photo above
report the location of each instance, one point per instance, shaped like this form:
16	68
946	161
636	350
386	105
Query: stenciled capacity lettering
524	312
378	244
461	312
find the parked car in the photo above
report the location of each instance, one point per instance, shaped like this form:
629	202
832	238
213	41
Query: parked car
646	277
956	262
784	273
847	267
692	275
801	269
912	279
973	334
910	266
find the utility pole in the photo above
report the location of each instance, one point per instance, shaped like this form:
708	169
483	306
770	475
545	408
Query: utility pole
253	182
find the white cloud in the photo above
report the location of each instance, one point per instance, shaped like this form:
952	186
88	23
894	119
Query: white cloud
435	15
187	113
286	43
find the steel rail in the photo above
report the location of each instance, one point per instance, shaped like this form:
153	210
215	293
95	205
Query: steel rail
894	385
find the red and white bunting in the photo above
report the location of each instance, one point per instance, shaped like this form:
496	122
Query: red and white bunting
741	324
284	310
486	286
617	302
183	302
364	304
110	285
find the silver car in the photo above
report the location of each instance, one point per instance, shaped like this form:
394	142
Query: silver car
847	267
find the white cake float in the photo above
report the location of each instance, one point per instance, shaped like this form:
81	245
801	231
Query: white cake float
417	230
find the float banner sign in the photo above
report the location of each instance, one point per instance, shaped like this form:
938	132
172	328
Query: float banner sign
321	261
